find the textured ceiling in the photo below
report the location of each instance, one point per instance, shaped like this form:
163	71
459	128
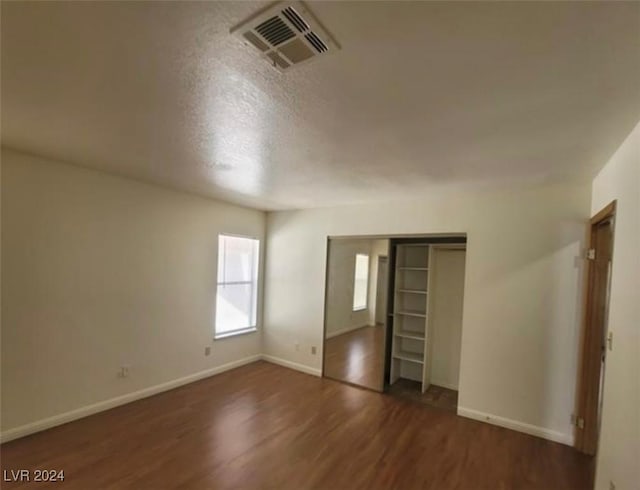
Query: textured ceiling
421	95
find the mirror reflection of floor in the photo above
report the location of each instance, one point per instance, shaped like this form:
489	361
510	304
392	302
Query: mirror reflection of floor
435	396
356	357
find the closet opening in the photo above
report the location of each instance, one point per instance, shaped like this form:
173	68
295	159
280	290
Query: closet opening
424	325
394	324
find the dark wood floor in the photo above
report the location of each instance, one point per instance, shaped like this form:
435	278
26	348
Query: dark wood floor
435	396
356	357
262	426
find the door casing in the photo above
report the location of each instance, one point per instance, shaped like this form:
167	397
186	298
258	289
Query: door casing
595	329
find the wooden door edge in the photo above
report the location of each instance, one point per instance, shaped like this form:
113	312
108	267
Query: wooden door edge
580	444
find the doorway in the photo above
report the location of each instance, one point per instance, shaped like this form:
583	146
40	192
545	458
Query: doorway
377	334
595	337
426	296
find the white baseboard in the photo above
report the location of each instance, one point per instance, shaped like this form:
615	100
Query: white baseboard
533	430
292	365
40	425
63	418
346	330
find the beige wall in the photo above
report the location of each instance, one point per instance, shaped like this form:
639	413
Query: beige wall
522	291
619	451
100	272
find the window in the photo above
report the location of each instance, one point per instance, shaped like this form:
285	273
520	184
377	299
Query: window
361	282
237	296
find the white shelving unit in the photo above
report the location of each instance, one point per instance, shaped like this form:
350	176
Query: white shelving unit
410	344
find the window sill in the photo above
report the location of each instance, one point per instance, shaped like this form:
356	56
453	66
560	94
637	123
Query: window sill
359	309
235	333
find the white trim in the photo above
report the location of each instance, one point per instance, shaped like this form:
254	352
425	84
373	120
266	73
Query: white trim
292	365
234	333
78	413
534	430
346	330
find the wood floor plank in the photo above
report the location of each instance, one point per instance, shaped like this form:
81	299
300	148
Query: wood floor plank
356	357
262	426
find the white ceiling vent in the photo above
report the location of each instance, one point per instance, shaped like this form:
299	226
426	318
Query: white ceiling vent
286	35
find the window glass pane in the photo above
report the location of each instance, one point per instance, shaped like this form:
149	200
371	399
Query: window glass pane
236	257
361	280
237	295
234	308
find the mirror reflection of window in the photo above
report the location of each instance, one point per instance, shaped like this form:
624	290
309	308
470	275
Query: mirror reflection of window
361	282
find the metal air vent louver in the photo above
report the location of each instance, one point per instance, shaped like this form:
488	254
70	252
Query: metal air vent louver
287	35
275	31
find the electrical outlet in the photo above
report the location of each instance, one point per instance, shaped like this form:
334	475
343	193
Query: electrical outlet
313	350
297	345
207	351
123	372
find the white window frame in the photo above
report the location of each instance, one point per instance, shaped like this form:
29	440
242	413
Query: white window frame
255	291
366	295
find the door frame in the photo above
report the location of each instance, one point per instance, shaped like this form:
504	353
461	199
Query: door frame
588	394
381	259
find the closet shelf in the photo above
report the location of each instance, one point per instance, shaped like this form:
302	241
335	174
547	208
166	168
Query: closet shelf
419	314
410	342
407	334
409	356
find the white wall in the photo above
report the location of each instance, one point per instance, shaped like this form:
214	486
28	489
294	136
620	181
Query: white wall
619	451
445	324
99	272
522	291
